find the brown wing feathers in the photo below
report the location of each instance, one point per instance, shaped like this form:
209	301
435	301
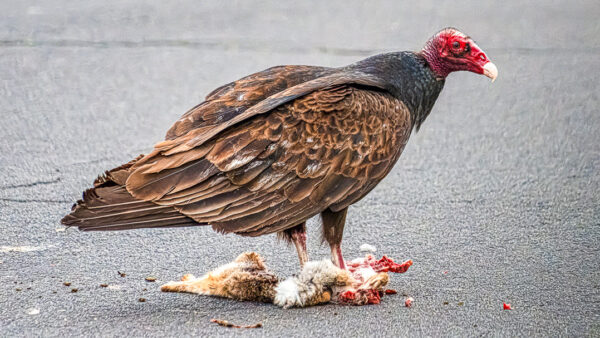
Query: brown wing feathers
255	173
111	207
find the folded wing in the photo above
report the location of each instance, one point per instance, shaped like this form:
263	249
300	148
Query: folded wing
325	149
258	156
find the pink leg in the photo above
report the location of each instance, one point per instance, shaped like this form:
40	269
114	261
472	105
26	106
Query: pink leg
297	235
336	256
299	240
333	229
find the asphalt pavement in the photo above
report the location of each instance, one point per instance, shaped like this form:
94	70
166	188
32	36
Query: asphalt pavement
495	200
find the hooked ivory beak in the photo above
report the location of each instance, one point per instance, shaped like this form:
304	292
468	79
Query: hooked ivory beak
490	70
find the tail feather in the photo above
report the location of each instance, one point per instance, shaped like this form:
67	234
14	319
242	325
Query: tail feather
109	206
166	222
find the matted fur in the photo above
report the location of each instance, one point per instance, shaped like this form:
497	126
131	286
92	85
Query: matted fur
247	278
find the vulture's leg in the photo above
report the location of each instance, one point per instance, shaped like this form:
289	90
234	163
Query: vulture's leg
333	229
297	235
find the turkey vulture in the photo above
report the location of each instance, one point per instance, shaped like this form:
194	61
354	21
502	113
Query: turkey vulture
265	153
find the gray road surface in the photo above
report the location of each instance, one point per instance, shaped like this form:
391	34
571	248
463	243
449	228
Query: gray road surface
500	188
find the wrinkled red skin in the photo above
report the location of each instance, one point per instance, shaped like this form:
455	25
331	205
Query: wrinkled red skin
447	52
363	297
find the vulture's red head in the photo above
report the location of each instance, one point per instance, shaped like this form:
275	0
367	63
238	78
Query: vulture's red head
450	50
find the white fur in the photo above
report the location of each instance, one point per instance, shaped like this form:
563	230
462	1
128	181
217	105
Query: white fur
365	273
367	248
287	294
358	260
315	279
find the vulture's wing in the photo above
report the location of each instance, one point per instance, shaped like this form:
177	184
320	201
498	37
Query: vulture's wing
260	155
263	168
232	99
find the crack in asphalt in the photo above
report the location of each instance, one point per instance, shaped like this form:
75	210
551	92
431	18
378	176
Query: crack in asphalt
17	200
33	184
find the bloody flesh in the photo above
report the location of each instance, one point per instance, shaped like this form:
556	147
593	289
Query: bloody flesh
370	296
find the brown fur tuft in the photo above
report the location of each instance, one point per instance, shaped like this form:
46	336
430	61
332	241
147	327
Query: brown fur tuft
246	278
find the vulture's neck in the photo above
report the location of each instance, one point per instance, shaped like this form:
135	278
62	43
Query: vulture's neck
409	78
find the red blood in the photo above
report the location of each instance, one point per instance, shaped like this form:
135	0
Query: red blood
385	264
362	297
373	297
507	306
347	296
408	302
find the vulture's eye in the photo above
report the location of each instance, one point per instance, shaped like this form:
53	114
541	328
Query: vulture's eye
455	44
